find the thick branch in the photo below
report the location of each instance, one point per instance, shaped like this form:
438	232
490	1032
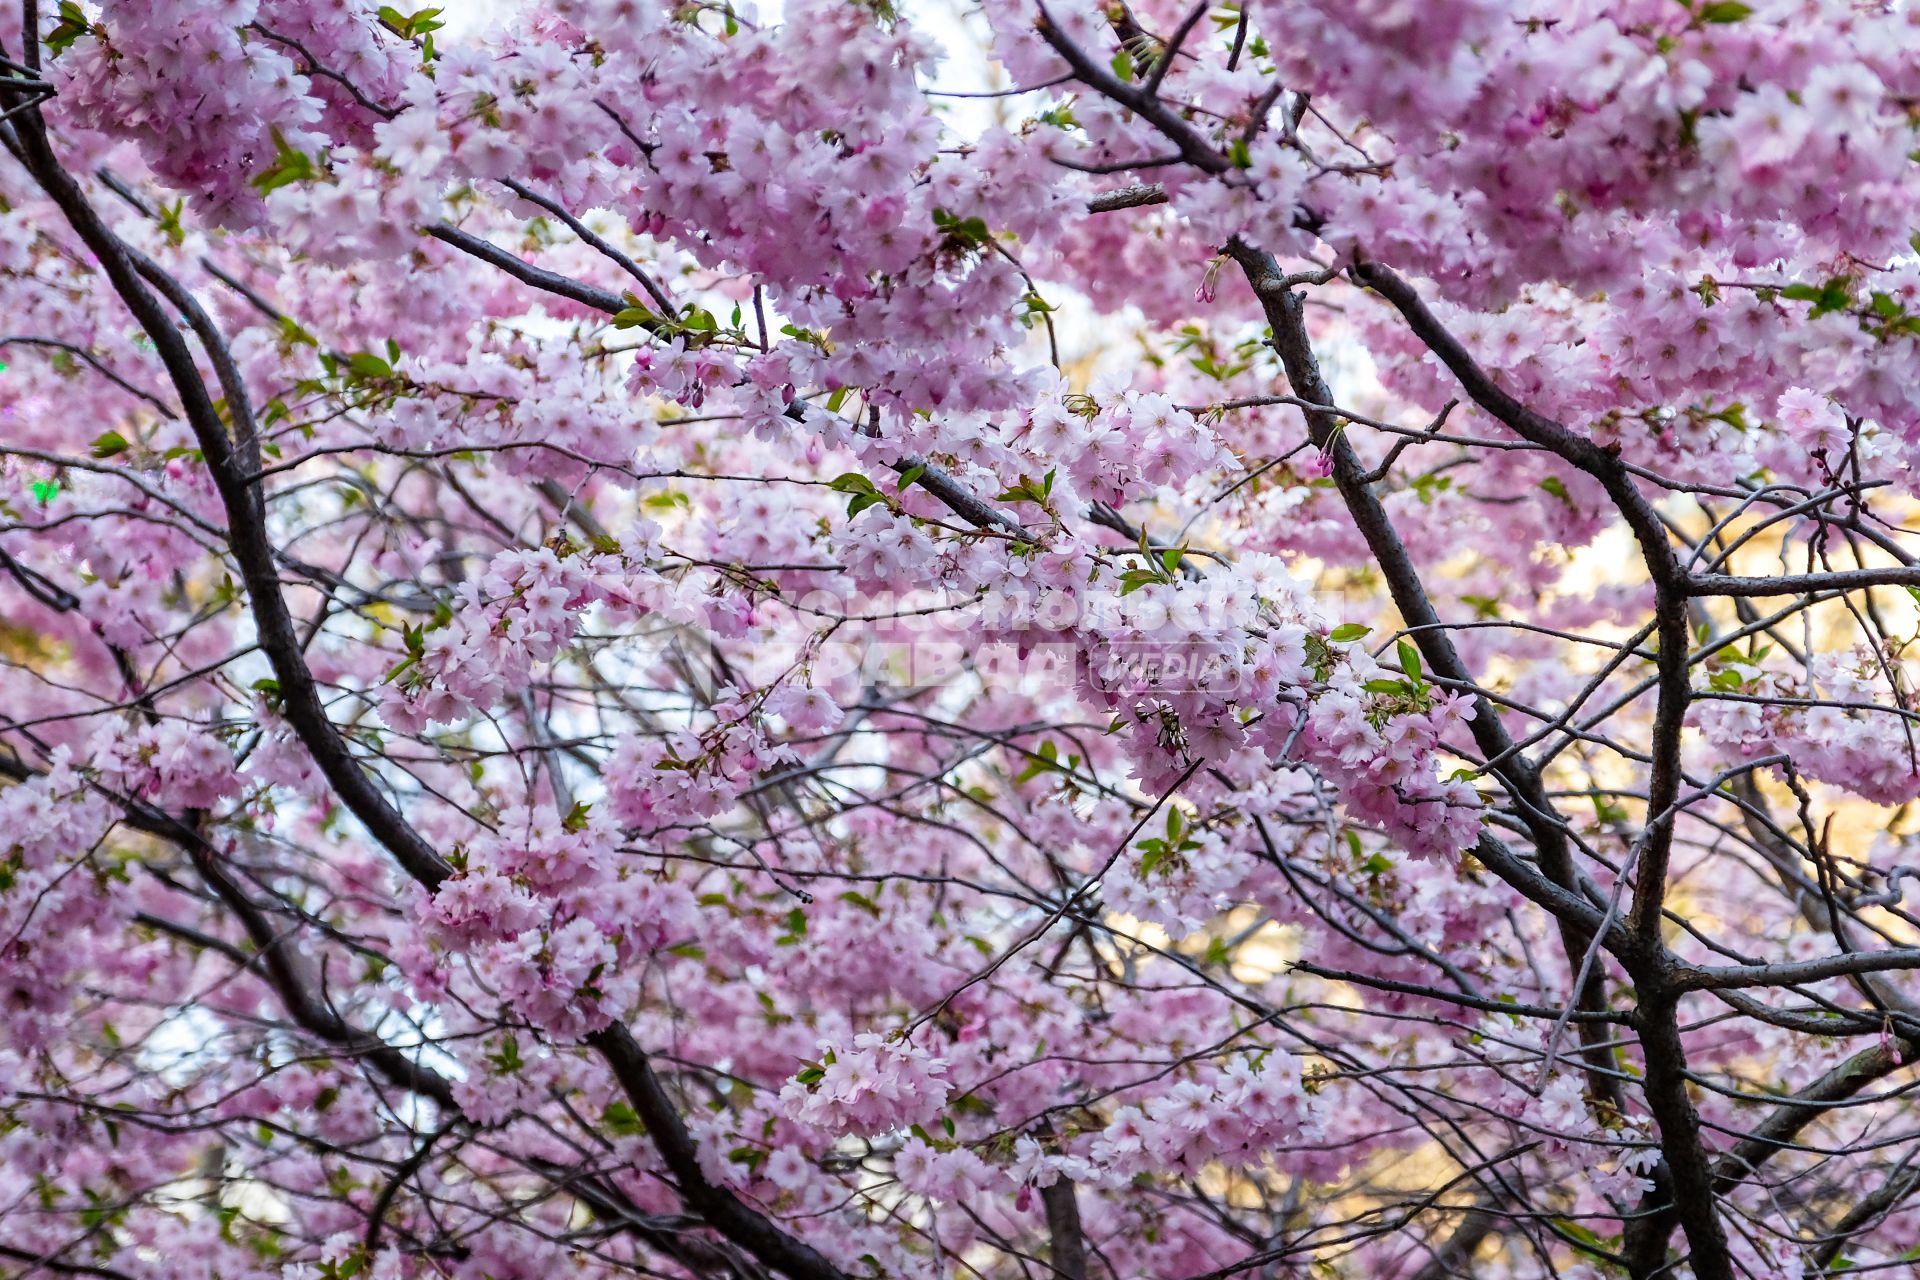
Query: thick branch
1069	1255
1669	580
278	639
1576	917
1871	1209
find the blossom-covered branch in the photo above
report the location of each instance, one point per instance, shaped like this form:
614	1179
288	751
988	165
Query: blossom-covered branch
939	639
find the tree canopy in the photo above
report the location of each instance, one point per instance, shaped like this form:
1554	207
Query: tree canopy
945	639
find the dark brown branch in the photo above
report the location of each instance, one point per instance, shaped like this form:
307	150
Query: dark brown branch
1455	1257
279	640
1195	148
52	1263
525	272
1798	584
1685	1174
1163	61
1130	197
1669	580
589	237
318	68
81	353
1577	918
1795	1113
1069	1256
1871	1209
1793	972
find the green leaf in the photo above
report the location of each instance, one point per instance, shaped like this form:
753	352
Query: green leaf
170	224
1725	11
1409	659
621	1120
862	901
288	167
1483	606
1833	295
1578	1231
365	364
864	494
1347	632
508	1060
110	444
1555	486
851	482
1028	491
1046	759
962	232
72	25
576	819
408	26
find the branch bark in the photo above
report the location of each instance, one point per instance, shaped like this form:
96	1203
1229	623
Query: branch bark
1063	1225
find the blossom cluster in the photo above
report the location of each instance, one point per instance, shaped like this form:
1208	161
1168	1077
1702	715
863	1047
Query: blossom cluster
641	637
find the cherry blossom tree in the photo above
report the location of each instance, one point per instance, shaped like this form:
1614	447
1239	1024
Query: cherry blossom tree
1017	639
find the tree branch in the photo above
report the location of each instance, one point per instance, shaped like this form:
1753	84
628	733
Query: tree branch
279	641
